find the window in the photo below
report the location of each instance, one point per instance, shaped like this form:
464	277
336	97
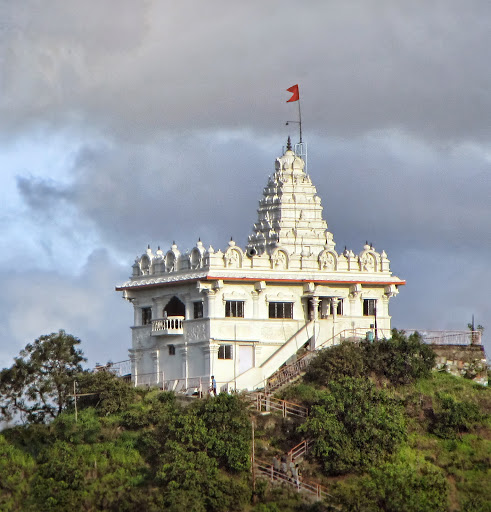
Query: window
369	307
280	310
225	352
234	308
146	316
198	309
339	310
172	350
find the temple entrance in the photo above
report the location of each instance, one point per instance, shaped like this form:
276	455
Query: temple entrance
174	308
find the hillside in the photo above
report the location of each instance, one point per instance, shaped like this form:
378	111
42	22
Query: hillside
385	433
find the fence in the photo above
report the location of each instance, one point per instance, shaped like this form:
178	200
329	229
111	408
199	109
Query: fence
266	470
448	337
120	368
267	403
301	449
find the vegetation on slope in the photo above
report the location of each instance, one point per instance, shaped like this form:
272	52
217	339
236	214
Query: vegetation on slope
388	434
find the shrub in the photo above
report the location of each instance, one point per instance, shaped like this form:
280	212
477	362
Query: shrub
345	360
354	426
411	486
401	359
454	417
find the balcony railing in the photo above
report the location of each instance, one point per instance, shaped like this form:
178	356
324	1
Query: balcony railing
170	326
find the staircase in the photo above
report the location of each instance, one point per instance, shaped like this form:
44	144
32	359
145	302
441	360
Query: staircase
288	373
315	490
268	367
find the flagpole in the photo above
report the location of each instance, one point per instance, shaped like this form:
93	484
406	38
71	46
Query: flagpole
300	119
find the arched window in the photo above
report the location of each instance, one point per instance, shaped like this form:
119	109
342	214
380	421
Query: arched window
175	307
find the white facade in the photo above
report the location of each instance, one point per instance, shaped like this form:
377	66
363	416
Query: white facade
242	313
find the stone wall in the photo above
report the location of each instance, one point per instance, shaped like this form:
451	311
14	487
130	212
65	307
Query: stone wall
463	360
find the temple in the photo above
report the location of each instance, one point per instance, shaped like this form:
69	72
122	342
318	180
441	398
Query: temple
242	313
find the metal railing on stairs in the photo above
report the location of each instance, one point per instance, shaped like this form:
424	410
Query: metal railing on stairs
314	489
300	450
267	403
291	371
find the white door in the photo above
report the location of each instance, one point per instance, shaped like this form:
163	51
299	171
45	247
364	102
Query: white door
246	357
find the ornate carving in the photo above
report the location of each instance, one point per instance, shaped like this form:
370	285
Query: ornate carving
367	262
196	332
232	258
280	261
327	261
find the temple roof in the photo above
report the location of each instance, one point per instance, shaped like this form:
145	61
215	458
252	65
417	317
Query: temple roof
290	212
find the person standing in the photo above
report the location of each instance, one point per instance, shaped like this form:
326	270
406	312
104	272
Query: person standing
213	385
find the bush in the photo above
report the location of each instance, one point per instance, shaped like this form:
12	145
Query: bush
454	417
16	470
406	485
345	360
354	426
401	360
111	394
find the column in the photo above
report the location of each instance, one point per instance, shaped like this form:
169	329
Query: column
189	313
210	303
255	304
211	355
315	307
184	363
156	365
135	357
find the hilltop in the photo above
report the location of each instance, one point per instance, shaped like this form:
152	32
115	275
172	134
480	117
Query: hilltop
385	433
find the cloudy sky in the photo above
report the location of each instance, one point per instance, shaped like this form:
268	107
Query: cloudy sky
126	122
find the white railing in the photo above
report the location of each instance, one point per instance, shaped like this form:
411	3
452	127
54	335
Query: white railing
447	337
171	325
120	368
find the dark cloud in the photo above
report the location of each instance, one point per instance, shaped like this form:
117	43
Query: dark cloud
38	302
361	66
42	195
174	113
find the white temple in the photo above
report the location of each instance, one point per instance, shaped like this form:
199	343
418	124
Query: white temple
242	313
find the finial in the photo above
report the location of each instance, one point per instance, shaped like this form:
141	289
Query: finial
158	248
289	144
148	246
199	239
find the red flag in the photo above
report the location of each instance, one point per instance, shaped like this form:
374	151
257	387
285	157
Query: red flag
296	95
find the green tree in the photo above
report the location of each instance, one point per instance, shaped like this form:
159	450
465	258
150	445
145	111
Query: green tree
354	426
109	393
344	360
228	430
38	385
401	359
